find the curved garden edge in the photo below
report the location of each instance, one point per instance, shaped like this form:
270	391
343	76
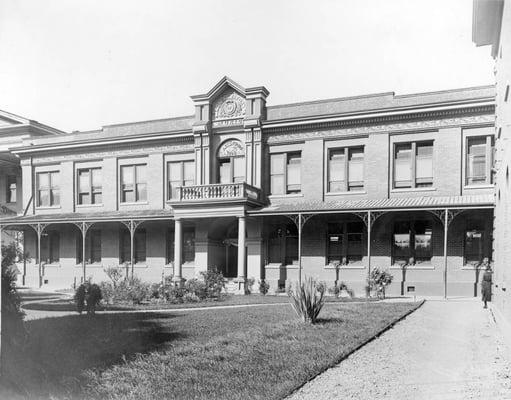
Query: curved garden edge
345	356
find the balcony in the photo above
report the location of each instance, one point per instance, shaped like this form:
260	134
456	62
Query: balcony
218	193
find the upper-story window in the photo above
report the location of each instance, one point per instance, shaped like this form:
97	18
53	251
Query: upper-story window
11	189
231	162
413	165
479	160
285	173
90	186
179	173
133	183
346	169
48	190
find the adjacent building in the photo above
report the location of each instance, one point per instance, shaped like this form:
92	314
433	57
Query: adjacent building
329	188
492	26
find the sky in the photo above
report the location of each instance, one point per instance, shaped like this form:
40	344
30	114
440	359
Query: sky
80	65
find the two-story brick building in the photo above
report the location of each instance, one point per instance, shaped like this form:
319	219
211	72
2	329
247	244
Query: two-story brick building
328	188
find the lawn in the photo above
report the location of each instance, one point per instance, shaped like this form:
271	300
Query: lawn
254	353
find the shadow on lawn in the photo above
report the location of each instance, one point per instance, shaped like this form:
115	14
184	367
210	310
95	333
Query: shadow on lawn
62	348
67	305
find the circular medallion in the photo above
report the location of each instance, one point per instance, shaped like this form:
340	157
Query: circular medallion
229	107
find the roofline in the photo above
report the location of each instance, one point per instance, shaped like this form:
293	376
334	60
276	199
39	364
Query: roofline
361	209
381	94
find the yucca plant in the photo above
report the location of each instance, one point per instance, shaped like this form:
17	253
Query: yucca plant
308	299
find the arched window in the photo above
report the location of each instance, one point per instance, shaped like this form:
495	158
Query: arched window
231	162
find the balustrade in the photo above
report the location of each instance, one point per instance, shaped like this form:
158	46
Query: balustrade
218	191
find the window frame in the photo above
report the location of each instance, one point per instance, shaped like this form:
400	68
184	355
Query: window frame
92	189
231	161
286	156
182	180
51	189
411	235
346	183
135	184
344	234
11	198
414	184
488	156
125	242
50	241
279	232
89	248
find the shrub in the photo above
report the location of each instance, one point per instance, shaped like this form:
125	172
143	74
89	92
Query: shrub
249	284
214	281
116	274
190	297
132	290
339	287
308	300
378	280
87	295
197	288
13	328
264	287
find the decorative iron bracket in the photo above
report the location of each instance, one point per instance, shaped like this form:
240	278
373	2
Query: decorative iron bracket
131	225
296	219
451	214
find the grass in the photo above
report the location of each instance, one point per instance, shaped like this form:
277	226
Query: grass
256	353
228	300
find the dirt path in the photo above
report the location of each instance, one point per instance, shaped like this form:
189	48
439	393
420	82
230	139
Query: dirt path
445	350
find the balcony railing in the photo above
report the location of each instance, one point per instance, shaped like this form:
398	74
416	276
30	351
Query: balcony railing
218	191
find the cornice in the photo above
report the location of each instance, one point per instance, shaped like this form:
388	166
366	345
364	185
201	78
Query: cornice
377	118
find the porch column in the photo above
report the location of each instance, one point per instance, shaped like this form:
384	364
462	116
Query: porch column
178	247
1	305
299	249
39	230
369	243
84	264
446	228
242	252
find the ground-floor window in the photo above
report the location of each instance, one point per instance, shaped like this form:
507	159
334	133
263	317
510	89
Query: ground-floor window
139	246
412	242
189	244
345	243
474	242
50	247
283	245
92	247
169	247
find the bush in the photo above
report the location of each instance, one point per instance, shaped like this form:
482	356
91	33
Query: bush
197	288
308	300
116	274
249	284
132	290
88	295
214	281
13	328
338	288
378	280
264	287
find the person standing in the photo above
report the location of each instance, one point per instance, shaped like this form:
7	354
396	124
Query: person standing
486	286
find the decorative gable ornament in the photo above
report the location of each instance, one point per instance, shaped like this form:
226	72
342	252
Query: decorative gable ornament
229	109
231	148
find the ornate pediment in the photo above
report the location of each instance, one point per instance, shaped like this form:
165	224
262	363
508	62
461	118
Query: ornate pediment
229	108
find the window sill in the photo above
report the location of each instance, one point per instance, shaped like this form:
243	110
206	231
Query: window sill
285	196
343	267
273	266
469	267
414	267
479	186
47	207
171	265
52	265
349	193
93	265
89	205
422	189
134	203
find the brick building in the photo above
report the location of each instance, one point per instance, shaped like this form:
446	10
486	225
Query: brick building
492	26
328	188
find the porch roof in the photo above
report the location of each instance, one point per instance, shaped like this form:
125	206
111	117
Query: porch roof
103	216
398	204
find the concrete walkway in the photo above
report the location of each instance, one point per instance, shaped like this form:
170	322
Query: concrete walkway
445	350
